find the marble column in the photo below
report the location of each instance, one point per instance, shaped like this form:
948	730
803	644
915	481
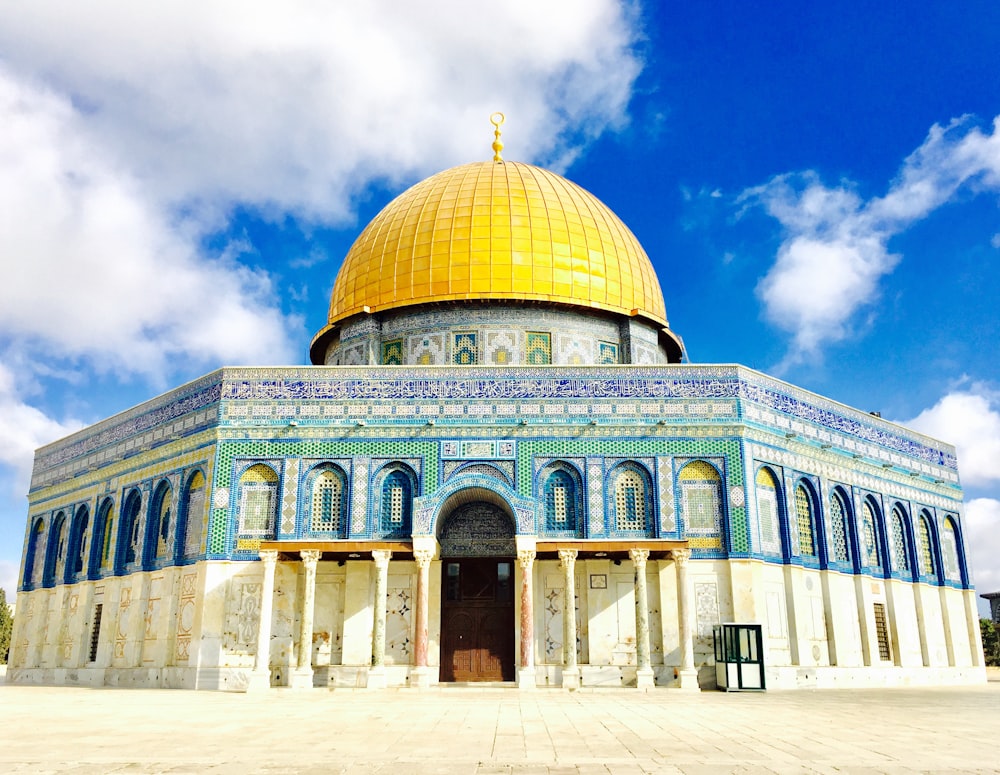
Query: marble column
570	673
644	669
688	674
376	675
421	673
526	668
260	678
302	676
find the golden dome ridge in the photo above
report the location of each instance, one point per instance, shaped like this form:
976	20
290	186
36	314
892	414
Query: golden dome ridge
497	231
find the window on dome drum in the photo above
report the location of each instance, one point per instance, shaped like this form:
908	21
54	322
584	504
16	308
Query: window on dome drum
805	519
949	551
871	546
900	541
328	507
839	529
631	503
607	353
882	633
560	502
396	504
193	514
55	554
769	530
258	501
392	353
925	547
79	539
701	498
464	349
538	349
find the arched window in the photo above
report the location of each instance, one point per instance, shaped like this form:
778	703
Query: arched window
805	518
128	533
32	567
769	523
560	493
193	515
258	502
925	546
839	530
104	530
949	551
158	543
328	505
701	498
900	542
55	551
396	503
871	543
631	505
78	543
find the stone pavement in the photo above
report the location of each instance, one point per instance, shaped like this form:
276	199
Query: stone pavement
472	730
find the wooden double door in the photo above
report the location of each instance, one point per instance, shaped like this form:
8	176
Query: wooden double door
477	619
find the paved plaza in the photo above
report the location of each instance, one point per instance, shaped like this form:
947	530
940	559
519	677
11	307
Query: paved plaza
499	730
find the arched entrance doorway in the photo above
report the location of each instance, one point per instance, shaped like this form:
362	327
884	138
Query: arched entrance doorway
477	593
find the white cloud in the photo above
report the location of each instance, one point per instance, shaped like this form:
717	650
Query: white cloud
834	252
982	527
297	105
92	270
971	421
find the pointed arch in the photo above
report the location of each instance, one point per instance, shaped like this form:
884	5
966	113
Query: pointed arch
928	560
31	564
191	520
700	485
55	550
902	543
951	554
872	543
327	500
562	499
805	519
159	527
79	539
395	488
100	546
127	545
840	531
258	501
769	521
630	490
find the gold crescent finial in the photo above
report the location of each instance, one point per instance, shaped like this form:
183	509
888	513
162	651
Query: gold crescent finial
497	120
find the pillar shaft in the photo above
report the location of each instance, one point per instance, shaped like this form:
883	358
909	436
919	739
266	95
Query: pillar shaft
310	558
639	558
685	614
423	559
261	678
526	559
381	557
571	674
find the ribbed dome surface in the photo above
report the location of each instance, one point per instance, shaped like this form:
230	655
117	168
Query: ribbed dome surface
497	230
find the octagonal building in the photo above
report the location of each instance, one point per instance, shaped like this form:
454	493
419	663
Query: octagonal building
497	469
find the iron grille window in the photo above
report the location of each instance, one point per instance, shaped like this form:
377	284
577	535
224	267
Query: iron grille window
882	632
95	633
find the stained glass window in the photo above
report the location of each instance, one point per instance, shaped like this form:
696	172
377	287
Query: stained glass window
701	497
872	546
838	529
900	541
396	503
560	502
767	512
258	500
804	518
949	551
925	548
327	502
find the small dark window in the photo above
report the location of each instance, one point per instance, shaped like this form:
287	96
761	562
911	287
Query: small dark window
454	586
882	632
505	587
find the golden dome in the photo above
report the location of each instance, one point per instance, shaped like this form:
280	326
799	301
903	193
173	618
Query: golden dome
496	230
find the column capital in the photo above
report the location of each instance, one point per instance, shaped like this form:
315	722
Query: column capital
422	557
268	556
681	556
525	557
639	557
310	557
381	557
567	556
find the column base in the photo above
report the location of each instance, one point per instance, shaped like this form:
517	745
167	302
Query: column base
376	678
260	680
420	678
644	679
688	680
571	678
526	678
301	678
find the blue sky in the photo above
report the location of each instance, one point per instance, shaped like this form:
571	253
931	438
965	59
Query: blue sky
818	187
